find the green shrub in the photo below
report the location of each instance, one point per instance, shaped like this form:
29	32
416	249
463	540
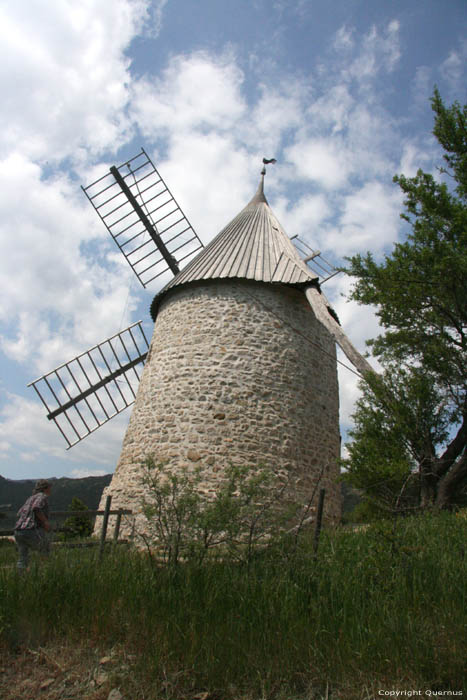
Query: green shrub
247	512
77	525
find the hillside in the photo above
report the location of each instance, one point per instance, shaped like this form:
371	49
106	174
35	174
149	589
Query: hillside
13	493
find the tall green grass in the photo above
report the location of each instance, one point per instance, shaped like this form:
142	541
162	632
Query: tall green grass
378	609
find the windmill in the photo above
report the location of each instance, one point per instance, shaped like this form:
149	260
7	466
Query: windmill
242	364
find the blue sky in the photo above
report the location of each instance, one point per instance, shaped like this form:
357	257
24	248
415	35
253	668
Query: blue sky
337	91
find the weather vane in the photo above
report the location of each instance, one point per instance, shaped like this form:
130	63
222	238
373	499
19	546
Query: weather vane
267	161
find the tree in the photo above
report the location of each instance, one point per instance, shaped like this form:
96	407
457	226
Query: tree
78	525
418	406
402	452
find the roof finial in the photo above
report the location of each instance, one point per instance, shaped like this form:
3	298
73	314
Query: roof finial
267	161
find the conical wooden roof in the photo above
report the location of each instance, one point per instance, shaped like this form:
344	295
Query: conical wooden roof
252	246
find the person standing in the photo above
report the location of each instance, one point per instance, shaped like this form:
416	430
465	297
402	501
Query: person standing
32	527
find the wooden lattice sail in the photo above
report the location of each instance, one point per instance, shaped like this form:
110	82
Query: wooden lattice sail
84	393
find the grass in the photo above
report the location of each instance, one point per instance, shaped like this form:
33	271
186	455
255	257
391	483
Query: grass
377	609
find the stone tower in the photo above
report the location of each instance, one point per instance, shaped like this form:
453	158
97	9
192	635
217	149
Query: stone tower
241	368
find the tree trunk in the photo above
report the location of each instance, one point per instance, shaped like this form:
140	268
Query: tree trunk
428	480
449	483
443	495
427	494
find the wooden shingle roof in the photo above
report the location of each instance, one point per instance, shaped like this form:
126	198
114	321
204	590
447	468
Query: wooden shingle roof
252	246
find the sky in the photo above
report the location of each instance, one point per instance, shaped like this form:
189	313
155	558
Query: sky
337	91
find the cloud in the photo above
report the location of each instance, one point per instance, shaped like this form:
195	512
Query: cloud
323	161
4	449
205	138
279	109
330	113
344	39
362	61
453	67
66	92
206	168
306	216
369	220
196	113
154	22
83	473
343	136
417	154
194	92
23	425
65	85
60	287
422	85
349	391
31	436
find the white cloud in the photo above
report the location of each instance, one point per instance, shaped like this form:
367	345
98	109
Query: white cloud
83	473
279	108
422	85
65	84
378	52
331	112
23	425
207	168
194	92
360	324
349	391
343	135
65	92
453	68
305	216
211	145
28	434
417	155
324	161
369	220
344	39
155	20
4	449
44	268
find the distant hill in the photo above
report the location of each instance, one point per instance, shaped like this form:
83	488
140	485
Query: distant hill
13	493
89	489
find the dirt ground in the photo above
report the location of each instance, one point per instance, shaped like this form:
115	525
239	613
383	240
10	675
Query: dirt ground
68	673
57	673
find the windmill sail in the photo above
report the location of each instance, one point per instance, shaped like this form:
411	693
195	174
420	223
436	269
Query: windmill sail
315	261
321	308
86	392
143	218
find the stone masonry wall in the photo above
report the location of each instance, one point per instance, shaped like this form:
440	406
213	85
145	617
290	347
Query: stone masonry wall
228	380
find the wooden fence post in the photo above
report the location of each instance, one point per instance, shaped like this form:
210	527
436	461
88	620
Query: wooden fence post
117	525
319	517
104	526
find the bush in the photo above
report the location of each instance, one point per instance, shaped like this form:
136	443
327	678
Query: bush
77	525
248	511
